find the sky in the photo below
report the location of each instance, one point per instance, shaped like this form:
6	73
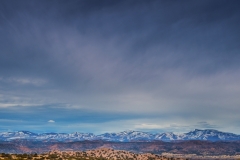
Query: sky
114	65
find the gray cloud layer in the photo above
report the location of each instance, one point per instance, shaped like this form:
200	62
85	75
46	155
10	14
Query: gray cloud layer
155	65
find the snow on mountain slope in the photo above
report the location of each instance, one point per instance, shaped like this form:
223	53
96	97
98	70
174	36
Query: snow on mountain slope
7	136
125	136
210	134
168	136
17	135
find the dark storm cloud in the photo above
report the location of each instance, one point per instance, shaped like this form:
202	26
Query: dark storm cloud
189	30
146	58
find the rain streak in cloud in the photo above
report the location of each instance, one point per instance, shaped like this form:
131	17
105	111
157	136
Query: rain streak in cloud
108	66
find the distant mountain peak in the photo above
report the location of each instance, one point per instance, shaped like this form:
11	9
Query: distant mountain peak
26	132
213	130
124	136
131	131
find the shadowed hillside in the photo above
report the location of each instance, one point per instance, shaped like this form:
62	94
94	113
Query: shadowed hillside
157	147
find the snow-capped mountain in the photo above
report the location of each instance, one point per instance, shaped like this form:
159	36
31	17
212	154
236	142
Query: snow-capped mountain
76	136
17	135
208	134
168	136
125	136
8	136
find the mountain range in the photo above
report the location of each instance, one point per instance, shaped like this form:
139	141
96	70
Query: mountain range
125	136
